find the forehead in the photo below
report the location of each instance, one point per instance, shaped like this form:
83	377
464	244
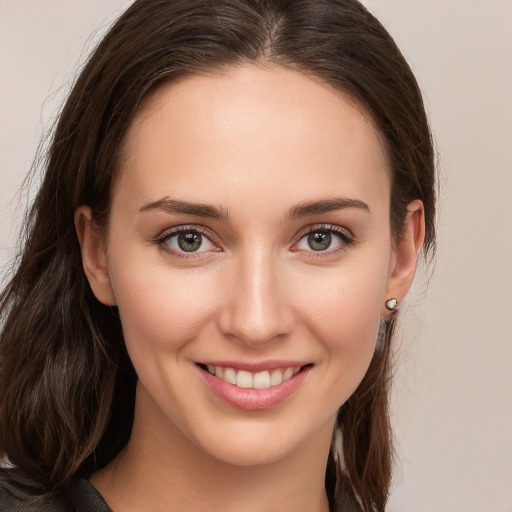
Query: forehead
252	128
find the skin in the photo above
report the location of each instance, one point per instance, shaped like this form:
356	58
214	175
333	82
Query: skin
253	142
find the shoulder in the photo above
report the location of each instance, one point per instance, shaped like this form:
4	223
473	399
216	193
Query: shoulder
87	498
81	497
15	497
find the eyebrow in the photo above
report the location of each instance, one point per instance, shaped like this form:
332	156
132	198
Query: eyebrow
169	205
300	210
326	206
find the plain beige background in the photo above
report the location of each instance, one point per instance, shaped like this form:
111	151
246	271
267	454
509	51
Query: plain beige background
452	406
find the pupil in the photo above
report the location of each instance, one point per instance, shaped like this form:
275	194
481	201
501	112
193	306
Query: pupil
189	242
319	241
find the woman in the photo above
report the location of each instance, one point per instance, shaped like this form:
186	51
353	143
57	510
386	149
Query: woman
234	203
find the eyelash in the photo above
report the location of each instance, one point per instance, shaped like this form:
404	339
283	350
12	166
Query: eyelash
161	241
346	239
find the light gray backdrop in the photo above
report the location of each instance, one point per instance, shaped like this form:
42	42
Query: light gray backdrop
453	395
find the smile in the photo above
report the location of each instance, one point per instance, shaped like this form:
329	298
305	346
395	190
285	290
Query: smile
263	388
249	380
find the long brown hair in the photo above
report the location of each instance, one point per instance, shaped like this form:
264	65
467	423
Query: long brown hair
67	386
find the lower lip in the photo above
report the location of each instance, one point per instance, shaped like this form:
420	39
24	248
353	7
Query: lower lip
253	399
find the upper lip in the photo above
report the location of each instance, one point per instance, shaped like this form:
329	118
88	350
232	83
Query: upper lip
255	367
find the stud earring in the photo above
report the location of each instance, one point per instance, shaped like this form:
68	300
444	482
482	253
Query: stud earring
391	305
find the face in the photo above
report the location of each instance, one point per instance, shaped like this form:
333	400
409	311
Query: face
250	256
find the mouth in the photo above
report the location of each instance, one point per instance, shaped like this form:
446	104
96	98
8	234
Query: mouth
245	379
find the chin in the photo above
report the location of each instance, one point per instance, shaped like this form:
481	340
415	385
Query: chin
248	443
251	452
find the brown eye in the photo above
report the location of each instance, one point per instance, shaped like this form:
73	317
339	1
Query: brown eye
190	241
184	241
319	240
324	240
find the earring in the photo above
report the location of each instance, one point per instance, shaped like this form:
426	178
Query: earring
391	305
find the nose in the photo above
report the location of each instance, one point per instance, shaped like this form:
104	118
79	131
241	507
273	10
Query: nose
257	308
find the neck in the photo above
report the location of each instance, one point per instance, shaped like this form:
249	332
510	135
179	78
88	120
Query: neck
160	469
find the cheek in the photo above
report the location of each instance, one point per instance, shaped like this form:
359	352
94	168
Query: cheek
343	315
161	310
344	303
349	326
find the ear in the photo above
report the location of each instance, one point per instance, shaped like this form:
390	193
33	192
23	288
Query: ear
94	257
405	254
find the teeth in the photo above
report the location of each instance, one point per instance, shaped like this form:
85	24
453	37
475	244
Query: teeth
276	378
244	379
229	375
261	380
248	380
288	374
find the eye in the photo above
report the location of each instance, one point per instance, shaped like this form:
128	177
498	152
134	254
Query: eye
188	242
319	240
324	239
185	240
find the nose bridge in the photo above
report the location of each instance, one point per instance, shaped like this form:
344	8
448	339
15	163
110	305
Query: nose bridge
259	308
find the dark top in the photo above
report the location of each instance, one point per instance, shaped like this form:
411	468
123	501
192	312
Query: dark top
83	497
